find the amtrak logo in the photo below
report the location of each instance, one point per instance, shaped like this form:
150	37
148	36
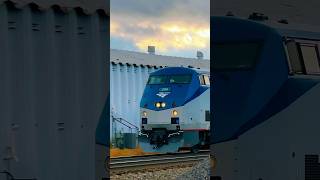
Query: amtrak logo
163	94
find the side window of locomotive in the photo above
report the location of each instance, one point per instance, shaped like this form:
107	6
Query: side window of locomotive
206	80
303	57
202	82
296	62
309	53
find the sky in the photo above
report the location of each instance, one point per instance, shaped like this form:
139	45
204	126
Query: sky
176	27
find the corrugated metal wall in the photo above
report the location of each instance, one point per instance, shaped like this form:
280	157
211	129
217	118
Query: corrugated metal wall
127	83
53	86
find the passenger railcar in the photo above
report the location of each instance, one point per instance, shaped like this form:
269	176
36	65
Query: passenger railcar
265	101
175	110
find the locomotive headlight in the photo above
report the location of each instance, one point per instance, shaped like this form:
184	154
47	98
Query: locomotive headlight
163	104
144	114
175	113
158	105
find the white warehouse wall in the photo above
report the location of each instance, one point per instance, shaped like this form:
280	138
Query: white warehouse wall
126	89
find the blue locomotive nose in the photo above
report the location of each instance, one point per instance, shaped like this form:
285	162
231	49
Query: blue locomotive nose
169	87
155	98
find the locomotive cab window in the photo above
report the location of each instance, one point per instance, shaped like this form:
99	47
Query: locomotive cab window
157	79
172	79
235	55
180	79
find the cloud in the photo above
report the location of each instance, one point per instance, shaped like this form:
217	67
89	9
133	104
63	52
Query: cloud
170	25
160	8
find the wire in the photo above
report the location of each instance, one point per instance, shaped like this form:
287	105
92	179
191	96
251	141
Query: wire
7	173
12	178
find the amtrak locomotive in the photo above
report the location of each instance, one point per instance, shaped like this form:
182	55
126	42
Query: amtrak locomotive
266	100
175	110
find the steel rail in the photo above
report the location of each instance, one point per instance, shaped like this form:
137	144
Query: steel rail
125	164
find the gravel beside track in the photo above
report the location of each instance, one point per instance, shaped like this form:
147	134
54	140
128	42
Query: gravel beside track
166	174
197	172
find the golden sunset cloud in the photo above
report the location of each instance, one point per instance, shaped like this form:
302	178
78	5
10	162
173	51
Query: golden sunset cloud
164	35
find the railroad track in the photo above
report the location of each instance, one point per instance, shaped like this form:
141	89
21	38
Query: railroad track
154	162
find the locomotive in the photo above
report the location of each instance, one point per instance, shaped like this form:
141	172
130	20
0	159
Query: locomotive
175	110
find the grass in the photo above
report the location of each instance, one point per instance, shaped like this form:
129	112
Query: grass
116	152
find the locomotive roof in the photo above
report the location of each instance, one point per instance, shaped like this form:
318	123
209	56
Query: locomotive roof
294	30
180	70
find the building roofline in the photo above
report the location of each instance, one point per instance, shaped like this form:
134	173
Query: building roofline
88	7
123	57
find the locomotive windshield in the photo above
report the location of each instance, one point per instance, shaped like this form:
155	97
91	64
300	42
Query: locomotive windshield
180	79
157	80
170	79
235	55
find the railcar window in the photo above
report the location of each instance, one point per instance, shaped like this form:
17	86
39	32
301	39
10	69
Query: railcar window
310	58
157	80
235	55
180	79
